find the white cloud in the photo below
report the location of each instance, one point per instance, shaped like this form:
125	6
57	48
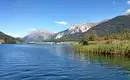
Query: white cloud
128	2
128	11
61	22
33	29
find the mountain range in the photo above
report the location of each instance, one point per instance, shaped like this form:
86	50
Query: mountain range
39	35
76	31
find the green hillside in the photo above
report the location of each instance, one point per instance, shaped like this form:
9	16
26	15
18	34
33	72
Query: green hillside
115	25
5	39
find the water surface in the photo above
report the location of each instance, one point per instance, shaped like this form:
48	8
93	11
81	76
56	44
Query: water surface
59	62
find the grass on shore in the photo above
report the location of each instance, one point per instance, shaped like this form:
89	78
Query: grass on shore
115	48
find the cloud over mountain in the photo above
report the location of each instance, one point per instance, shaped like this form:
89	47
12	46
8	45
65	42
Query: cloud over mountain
61	22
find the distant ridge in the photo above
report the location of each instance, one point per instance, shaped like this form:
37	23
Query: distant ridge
6	39
39	35
114	25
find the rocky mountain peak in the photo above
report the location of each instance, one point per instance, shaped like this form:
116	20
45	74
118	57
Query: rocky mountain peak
80	27
39	35
75	29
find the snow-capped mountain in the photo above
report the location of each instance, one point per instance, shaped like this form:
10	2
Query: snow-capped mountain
39	35
75	29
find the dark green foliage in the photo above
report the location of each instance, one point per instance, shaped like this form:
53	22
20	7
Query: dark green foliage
93	37
84	42
124	35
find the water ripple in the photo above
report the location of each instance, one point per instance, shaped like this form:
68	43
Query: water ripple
58	62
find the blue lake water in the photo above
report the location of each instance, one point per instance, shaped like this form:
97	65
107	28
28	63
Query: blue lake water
59	62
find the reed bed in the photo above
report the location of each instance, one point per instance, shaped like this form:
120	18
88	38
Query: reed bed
119	48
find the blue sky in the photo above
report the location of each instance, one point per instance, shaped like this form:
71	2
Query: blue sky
19	17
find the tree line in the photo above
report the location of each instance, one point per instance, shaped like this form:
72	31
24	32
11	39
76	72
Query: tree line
124	35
